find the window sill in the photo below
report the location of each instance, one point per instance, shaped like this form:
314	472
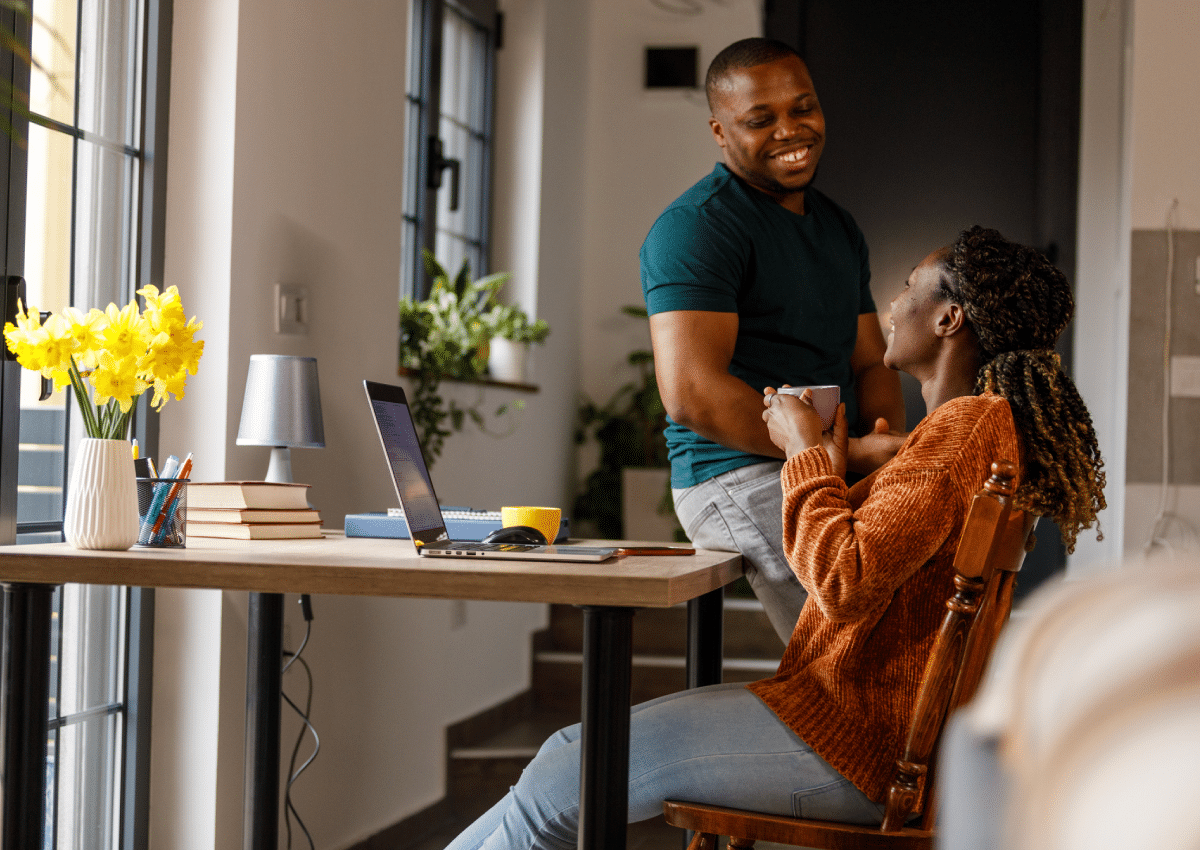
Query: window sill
405	372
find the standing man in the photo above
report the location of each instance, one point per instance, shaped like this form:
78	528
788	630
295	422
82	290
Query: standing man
752	279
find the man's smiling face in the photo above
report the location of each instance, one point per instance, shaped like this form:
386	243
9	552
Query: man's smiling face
769	124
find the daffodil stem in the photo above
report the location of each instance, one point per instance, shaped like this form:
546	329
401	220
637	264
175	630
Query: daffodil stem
105	423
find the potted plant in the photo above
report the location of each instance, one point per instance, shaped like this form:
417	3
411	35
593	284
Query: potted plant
633	454
512	334
448	335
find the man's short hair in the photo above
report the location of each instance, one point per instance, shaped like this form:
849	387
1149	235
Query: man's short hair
746	53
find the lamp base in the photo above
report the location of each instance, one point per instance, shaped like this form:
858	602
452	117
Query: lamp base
279	470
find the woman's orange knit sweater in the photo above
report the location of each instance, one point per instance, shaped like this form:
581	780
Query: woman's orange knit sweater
877	562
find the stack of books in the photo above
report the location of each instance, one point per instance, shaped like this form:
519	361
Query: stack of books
250	510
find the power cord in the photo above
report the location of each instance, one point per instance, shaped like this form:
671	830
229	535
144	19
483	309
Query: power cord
294	772
1159	532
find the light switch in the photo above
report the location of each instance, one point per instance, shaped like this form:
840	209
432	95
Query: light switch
1185	376
291	309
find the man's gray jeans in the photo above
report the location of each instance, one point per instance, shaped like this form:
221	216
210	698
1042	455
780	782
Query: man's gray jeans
742	511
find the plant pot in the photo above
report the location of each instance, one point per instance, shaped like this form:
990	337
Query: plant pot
102	505
508	360
642	491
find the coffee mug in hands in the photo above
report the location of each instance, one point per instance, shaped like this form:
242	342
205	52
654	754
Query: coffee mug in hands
824	398
545	520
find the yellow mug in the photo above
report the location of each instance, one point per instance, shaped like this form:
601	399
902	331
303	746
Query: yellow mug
545	520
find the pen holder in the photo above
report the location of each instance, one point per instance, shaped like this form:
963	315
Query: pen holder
162	505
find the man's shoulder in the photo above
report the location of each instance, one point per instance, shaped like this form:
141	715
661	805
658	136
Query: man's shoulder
714	204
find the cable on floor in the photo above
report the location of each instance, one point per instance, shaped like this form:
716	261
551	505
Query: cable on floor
289	809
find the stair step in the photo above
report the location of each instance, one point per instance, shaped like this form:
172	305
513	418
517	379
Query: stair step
556	685
762	666
522	738
747	633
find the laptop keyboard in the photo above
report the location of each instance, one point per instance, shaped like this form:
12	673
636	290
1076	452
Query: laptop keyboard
479	548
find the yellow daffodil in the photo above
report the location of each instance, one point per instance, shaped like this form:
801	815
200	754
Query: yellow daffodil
109	358
117	379
85	330
126	331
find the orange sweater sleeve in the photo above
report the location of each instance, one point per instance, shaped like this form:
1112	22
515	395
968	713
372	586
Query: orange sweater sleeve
852	559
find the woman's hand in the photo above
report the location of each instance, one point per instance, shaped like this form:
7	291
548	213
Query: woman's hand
795	425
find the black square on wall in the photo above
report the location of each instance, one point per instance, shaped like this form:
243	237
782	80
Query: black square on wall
671	67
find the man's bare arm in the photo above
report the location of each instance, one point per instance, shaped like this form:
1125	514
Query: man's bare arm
879	397
692	352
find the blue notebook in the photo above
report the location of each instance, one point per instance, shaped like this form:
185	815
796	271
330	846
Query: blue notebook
461	524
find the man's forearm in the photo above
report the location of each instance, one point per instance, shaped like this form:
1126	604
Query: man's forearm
727	411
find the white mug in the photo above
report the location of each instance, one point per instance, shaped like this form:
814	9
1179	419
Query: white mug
824	398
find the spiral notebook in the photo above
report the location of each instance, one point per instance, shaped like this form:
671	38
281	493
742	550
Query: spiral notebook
423	513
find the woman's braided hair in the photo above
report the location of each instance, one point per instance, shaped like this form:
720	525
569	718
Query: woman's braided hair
1018	303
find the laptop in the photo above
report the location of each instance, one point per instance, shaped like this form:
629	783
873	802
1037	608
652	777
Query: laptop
422	512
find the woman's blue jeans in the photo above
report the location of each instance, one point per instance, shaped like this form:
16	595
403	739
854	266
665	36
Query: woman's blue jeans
718	744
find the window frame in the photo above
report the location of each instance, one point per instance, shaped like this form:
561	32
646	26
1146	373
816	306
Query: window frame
148	223
424	166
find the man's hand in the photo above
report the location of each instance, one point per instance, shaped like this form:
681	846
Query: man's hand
873	450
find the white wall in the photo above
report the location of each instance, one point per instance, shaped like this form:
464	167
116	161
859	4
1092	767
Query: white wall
1137	154
644	148
1101	355
305	187
1164	126
1165	114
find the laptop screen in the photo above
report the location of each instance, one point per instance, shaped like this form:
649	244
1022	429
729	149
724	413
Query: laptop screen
414	487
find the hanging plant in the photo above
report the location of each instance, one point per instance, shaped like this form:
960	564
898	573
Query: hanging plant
447	335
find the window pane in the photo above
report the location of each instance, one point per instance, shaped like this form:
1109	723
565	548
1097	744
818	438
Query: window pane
48	219
40	460
52	88
91	647
103	215
107	70
87	796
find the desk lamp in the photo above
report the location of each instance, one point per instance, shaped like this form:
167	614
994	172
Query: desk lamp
281	409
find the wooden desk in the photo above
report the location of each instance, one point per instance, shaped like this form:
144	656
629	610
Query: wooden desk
608	592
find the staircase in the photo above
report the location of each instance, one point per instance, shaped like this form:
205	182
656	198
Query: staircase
487	753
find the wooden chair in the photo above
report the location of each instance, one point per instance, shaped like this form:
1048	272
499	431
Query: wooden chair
990	552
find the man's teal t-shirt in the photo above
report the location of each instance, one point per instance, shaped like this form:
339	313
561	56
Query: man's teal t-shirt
797	282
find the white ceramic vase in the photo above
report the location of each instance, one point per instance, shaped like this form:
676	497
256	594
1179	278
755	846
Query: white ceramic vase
102	504
507	360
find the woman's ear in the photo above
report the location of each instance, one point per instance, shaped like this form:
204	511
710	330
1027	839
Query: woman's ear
951	320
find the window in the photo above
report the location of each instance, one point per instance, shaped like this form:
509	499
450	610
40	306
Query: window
83	228
447	200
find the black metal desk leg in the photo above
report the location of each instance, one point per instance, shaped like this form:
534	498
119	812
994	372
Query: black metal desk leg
25	713
604	760
705	647
264	682
705	639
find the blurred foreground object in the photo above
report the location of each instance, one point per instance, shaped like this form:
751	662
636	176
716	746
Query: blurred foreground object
1086	733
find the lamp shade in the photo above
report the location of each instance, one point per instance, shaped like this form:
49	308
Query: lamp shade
282	404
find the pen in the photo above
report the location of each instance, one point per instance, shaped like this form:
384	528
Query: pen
168	512
156	503
135	448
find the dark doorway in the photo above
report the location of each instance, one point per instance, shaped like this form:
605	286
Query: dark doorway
941	115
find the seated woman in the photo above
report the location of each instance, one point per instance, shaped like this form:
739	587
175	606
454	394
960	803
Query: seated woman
976	324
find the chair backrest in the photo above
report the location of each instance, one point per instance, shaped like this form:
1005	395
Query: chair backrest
990	552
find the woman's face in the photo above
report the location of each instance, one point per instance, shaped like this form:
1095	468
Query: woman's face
912	340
